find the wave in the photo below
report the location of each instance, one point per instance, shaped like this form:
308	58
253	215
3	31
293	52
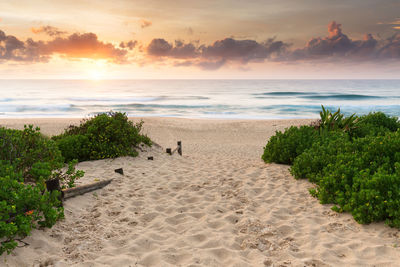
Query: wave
391	110
51	108
157	106
317	96
342	97
135	99
284	93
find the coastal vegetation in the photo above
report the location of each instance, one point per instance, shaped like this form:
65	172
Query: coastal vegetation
107	135
29	159
354	162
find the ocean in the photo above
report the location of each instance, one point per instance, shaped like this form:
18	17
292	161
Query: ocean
229	99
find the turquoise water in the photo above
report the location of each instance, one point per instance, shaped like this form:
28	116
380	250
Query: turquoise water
254	99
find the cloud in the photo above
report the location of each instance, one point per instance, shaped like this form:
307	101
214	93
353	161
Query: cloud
145	23
338	45
216	55
49	30
395	24
76	45
391	48
129	45
242	50
159	48
335	46
86	45
211	65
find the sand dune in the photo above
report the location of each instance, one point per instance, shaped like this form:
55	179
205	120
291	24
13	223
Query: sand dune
217	205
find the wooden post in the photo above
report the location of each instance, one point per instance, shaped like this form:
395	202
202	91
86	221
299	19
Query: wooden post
180	147
168	150
54	185
120	171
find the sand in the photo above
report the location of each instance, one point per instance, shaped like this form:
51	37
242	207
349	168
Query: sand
217	205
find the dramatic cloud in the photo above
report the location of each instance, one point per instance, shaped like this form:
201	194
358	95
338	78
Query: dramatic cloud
339	46
49	30
335	46
76	45
86	46
145	23
216	55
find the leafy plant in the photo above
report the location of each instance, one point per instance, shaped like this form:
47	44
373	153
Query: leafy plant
377	123
27	160
336	121
285	147
354	163
106	135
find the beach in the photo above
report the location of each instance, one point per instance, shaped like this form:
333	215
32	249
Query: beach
218	204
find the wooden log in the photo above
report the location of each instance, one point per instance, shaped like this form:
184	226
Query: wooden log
80	190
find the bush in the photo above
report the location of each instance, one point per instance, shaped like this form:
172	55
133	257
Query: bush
108	135
356	168
377	123
74	147
24	148
322	152
27	160
22	207
285	147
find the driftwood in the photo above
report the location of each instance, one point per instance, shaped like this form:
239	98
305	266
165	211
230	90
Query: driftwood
79	190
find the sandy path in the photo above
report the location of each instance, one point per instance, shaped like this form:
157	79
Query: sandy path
218	205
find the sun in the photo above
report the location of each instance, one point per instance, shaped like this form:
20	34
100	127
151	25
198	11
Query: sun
95	70
96	75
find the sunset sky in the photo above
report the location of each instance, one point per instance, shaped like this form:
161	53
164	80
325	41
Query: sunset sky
131	39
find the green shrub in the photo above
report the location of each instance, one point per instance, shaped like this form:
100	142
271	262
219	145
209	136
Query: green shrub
23	207
357	169
74	147
107	135
24	148
377	123
322	152
285	147
27	160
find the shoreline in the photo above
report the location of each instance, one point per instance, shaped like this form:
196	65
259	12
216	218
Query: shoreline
217	205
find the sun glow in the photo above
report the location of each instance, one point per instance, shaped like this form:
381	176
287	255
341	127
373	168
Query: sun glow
96	75
97	70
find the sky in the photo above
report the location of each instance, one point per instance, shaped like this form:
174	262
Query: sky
208	39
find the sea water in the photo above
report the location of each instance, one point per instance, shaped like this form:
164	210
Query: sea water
232	99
